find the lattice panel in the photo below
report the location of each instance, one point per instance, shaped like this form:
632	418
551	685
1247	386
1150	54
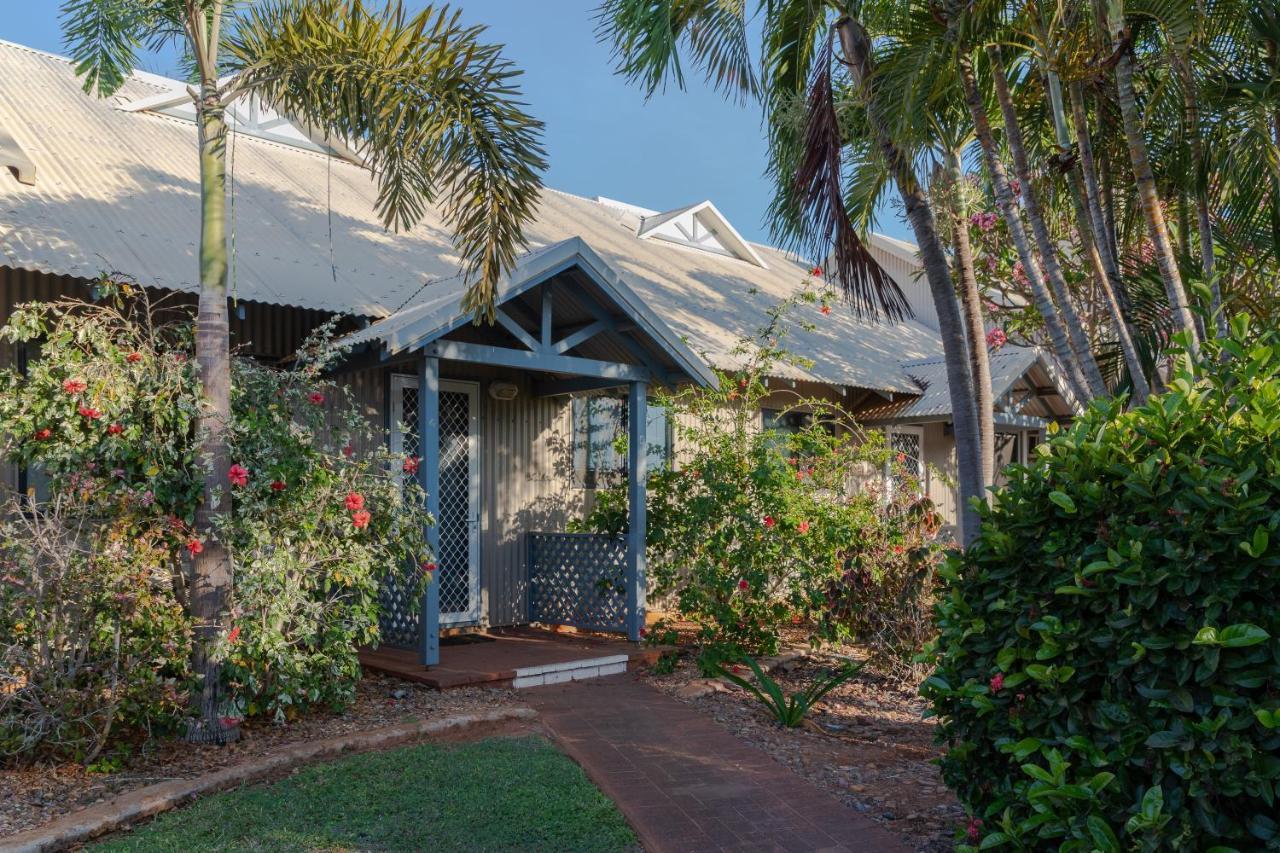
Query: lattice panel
409	417
399	616
578	579
907	451
455	577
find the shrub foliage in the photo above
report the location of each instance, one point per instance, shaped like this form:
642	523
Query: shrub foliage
107	413
1108	665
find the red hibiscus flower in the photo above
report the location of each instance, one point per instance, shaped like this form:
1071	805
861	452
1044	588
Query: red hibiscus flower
816	272
43	434
277	485
769	521
74	386
997	682
195	546
238	475
115	429
803	527
354	501
428	567
410	465
316	398
234	634
133	357
826	310
644	632
89	412
795	620
361	518
348	450
742	584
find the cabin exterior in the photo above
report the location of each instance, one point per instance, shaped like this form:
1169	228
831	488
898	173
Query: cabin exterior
610	302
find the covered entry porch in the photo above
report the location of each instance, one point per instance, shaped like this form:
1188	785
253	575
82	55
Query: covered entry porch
468	399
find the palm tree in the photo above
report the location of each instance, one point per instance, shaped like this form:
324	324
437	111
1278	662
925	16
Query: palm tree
435	114
807	148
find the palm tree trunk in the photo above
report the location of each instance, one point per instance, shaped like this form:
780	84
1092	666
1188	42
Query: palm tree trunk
971	305
1076	334
1004	199
211	581
1148	197
1105	272
856	46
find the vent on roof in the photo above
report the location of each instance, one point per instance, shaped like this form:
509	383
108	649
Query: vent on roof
699	226
248	116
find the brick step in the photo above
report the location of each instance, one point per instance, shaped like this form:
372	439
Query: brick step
574	670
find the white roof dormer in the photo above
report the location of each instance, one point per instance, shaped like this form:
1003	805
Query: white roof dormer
699	226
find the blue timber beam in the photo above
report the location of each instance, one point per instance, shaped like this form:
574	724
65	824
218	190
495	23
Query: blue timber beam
583	335
637	528
517	331
543	361
595	309
558	387
429	479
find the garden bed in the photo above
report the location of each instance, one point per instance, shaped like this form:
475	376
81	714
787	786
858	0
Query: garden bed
868	744
33	796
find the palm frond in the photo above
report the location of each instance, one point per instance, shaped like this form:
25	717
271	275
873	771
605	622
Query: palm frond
647	37
103	37
435	112
819	192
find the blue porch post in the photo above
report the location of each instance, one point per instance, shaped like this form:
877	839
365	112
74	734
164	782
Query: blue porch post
637	454
429	478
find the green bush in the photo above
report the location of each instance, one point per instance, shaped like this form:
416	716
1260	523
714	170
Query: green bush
107	413
1108	664
753	532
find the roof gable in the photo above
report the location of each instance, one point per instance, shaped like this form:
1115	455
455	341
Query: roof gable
699	226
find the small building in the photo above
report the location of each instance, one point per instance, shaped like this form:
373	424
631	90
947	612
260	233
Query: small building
608	298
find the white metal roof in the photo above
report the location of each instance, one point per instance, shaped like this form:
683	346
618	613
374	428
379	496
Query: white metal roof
117	191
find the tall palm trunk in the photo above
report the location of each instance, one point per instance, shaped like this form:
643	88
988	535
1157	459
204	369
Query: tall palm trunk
971	305
211	582
1204	220
1148	197
856	46
1058	341
1076	334
1089	220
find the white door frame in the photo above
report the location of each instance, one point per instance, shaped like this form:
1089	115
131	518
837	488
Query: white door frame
399	382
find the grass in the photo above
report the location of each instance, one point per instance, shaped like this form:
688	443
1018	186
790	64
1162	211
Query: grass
497	794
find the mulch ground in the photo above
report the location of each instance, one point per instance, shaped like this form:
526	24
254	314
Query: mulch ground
869	745
35	795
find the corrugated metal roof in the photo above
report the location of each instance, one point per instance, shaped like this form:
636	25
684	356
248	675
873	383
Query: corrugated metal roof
1008	365
117	191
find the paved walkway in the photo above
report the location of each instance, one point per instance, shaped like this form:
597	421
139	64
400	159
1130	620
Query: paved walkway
685	783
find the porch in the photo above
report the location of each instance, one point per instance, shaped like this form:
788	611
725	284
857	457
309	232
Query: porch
512	657
468	400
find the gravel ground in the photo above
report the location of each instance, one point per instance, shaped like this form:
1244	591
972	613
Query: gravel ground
36	795
867	743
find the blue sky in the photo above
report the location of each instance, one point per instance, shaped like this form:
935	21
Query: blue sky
603	137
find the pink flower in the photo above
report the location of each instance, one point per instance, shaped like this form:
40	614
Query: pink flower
902	458
361	518
115	429
768	521
277	486
997	682
354	501
74	386
195	546
974	829
803	527
996	338
1015	187
133	357
238	475
742	584
316	398
89	412
410	465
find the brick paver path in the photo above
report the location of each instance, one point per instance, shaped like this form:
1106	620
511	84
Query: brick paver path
685	783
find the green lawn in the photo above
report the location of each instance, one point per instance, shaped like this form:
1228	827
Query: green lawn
499	794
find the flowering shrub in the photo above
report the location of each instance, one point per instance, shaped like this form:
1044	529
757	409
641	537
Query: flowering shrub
108	414
1109	652
755	530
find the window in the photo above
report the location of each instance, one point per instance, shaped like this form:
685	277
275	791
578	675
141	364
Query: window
905	468
599	440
